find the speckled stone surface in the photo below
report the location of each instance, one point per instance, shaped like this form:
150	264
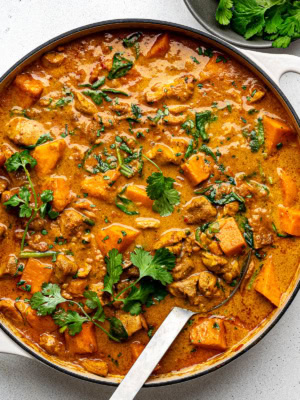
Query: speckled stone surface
271	370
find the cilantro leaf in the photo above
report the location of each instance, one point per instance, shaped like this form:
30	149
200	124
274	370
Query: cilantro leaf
160	189
120	66
224	13
93	302
114	270
46	301
23	200
18	160
201	120
156	267
117	329
70	320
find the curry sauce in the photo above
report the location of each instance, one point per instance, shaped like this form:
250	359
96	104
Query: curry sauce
137	170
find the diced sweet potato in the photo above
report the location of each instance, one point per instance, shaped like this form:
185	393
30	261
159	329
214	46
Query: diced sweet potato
160	47
209	334
116	236
30	86
138	194
266	283
39	323
83	342
288	187
100	186
195	169
230	238
258	95
213	69
77	286
275	132
136	350
48	155
2	159
289	220
61	192
35	274
97	367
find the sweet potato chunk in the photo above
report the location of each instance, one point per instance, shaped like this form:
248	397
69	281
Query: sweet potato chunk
37	322
48	155
266	283
61	192
213	69
195	169
136	350
231	240
160	47
289	220
288	188
99	186
30	86
97	367
138	194
275	132
84	341
116	236
35	274
209	334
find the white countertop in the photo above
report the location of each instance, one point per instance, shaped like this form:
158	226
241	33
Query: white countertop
270	370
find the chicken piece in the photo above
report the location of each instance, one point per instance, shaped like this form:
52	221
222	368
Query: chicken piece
7	308
180	89
147	223
132	323
10	267
209	334
178	108
160	47
172	240
48	155
71	223
198	210
29	86
121	108
64	267
248	275
106	120
53	59
207	285
84	271
163	154
51	344
83	342
220	265
77	286
37	322
83	105
98	288
97	367
61	192
23	131
174	119
231	209
3	184
185	288
254	98
179	144
183	268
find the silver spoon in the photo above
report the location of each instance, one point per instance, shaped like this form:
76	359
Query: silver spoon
159	344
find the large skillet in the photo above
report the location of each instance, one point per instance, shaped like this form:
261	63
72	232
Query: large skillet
260	64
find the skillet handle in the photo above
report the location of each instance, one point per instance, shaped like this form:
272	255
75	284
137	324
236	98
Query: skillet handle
277	64
10	347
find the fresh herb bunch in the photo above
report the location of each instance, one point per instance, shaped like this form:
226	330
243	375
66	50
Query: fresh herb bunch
275	20
22	199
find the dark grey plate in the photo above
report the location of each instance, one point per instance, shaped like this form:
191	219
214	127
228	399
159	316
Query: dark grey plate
205	10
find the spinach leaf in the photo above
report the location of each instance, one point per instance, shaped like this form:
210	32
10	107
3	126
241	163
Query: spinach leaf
120	67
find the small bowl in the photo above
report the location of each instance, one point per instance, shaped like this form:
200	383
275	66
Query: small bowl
205	12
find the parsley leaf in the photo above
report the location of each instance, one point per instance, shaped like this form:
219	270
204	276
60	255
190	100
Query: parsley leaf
18	160
160	189
93	302
224	13
114	270
120	66
46	301
132	41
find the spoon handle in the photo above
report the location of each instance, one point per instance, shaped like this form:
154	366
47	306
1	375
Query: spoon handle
152	354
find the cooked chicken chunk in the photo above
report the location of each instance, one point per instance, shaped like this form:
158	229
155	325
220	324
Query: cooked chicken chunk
147	223
3	229
23	131
51	343
98	288
53	59
71	223
163	154
207	284
9	267
183	268
185	288
83	105
199	210
132	323
7	307
231	208
64	267
221	266
29	86
97	367
181	89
